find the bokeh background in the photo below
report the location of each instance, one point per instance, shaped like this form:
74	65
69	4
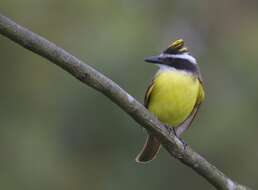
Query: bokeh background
56	133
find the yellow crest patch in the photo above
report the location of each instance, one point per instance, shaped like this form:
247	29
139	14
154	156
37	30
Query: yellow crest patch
176	47
177	44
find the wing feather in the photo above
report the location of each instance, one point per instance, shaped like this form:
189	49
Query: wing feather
188	121
148	94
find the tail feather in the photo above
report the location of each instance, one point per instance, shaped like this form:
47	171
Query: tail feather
149	151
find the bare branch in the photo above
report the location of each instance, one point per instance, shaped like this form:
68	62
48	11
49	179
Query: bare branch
137	111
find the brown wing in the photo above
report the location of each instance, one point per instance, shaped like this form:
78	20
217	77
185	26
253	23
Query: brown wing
188	121
152	145
148	94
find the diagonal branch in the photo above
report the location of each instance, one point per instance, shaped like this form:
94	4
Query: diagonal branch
137	111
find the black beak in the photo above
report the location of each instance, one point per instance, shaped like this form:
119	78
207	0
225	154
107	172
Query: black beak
153	59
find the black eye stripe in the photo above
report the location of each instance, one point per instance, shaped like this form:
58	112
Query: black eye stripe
181	64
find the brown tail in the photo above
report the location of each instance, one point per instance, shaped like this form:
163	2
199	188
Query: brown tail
149	151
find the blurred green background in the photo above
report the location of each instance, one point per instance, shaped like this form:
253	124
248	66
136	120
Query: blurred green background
56	133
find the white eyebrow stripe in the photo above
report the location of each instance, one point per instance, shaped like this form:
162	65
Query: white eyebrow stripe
180	56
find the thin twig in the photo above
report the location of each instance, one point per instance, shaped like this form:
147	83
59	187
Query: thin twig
137	111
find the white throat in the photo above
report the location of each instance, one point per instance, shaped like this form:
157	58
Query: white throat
165	68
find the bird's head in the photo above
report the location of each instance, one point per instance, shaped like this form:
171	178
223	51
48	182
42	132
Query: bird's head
176	56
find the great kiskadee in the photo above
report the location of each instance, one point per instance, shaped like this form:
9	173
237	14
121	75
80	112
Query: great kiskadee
174	95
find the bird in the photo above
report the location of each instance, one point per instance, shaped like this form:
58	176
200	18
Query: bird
174	96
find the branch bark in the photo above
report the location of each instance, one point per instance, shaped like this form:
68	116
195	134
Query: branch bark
137	111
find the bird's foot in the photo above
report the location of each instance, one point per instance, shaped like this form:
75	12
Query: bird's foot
173	130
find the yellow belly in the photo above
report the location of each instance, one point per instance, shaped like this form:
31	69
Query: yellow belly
173	96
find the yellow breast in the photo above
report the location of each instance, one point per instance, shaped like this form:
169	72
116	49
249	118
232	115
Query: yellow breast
173	96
